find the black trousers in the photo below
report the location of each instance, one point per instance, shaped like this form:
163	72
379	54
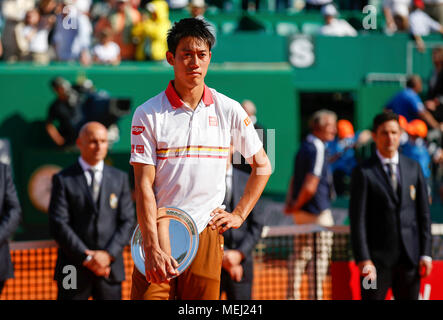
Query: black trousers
403	278
98	288
241	290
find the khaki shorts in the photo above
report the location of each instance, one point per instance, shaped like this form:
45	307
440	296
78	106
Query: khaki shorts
200	281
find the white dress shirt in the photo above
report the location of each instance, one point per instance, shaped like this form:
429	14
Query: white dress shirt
98	168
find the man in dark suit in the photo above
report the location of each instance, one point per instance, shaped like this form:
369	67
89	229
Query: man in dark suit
237	265
390	219
91	216
10	215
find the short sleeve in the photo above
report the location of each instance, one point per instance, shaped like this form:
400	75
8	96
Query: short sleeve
143	141
434	25
417	104
316	158
244	136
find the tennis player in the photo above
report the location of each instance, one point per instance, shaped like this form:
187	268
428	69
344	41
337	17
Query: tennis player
180	144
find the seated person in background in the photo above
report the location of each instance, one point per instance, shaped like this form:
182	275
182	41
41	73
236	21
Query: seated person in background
421	24
32	38
150	34
396	14
123	18
408	103
72	35
106	51
333	26
342	153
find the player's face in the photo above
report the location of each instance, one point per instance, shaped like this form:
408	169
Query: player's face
387	138
190	62
93	145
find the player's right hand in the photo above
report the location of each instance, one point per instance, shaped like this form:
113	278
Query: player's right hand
159	266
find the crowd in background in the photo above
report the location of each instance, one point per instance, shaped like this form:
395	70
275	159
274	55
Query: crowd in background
109	31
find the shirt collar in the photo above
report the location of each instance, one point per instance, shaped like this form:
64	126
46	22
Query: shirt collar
176	102
311	138
86	166
384	160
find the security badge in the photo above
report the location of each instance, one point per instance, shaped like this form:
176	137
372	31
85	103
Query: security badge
113	201
412	192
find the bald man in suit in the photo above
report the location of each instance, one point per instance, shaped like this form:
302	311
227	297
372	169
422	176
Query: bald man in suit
91	216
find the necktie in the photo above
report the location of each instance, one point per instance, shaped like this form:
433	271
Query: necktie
392	176
94	186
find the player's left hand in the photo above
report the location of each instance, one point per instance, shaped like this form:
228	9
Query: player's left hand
225	220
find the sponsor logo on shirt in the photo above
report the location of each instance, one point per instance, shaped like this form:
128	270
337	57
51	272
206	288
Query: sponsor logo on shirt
247	121
139	148
213	121
136	130
132	148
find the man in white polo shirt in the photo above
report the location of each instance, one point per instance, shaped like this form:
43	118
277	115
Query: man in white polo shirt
180	144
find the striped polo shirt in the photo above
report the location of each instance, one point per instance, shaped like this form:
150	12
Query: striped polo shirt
190	148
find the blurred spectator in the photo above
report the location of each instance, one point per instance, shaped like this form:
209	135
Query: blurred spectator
316	4
122	20
101	9
10	216
48	15
151	33
421	24
106	51
416	147
83	6
197	9
396	15
72	35
177	4
435	9
435	85
64	116
408	103
333	26
32	38
250	5
14	12
309	200
239	162
342	153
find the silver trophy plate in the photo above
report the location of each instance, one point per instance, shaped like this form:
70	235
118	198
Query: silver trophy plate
178	236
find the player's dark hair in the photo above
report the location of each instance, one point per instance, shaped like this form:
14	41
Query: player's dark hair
382	118
189	27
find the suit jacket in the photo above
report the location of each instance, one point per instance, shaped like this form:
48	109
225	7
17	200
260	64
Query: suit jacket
384	223
244	238
77	223
10	216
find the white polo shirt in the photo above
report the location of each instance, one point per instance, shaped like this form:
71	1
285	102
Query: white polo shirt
190	148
